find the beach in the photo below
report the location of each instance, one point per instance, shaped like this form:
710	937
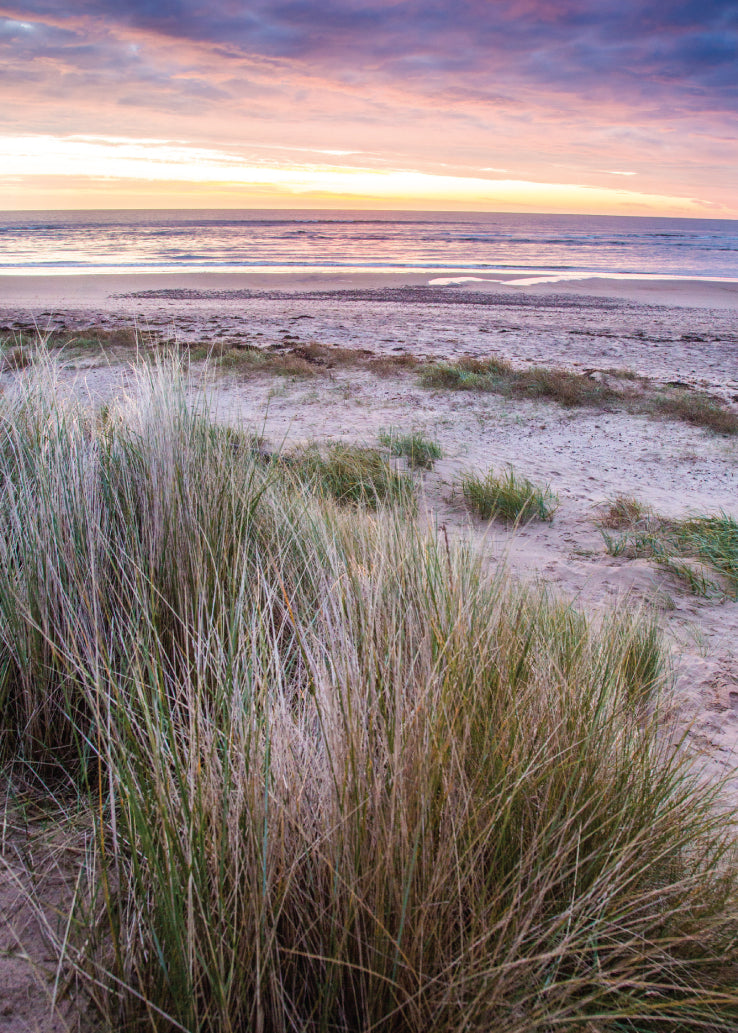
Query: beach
673	334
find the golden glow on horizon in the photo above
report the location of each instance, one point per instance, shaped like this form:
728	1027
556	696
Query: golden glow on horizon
114	163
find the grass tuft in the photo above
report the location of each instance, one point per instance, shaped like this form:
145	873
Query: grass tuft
507	496
623	511
350	474
692	548
421	452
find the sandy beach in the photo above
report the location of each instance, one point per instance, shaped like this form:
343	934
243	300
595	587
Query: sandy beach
668	329
671	332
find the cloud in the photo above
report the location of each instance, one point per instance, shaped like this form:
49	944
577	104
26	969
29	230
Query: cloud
115	159
553	90
680	49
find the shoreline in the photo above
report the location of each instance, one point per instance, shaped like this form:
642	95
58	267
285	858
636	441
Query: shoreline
101	290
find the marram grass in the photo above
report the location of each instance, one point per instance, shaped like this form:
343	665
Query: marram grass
339	777
701	550
508	496
420	451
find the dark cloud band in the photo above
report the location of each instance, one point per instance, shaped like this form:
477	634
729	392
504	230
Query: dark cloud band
684	48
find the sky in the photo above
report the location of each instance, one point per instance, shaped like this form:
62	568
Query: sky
603	106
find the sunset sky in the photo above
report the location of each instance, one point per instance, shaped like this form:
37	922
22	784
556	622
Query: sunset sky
504	105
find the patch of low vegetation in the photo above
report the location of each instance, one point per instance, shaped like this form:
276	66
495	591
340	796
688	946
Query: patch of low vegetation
507	496
420	451
701	550
573	390
19	350
350	474
247	361
387	365
298	359
324	771
122	338
568	389
467	374
500	377
698	409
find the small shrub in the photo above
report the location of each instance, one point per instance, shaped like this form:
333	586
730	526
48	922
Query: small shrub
421	452
509	497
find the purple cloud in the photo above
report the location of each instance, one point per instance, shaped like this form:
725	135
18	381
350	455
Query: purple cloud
680	50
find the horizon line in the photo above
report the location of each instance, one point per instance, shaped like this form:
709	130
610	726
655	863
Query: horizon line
384	211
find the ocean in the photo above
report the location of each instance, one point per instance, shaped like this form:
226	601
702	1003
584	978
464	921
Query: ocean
559	246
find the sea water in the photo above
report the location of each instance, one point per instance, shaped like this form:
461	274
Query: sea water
559	246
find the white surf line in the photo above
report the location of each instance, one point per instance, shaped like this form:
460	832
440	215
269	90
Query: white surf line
529	281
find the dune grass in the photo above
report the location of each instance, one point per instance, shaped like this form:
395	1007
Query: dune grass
701	550
508	496
336	776
250	360
577	390
420	451
698	409
109	342
500	377
294	358
350	474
